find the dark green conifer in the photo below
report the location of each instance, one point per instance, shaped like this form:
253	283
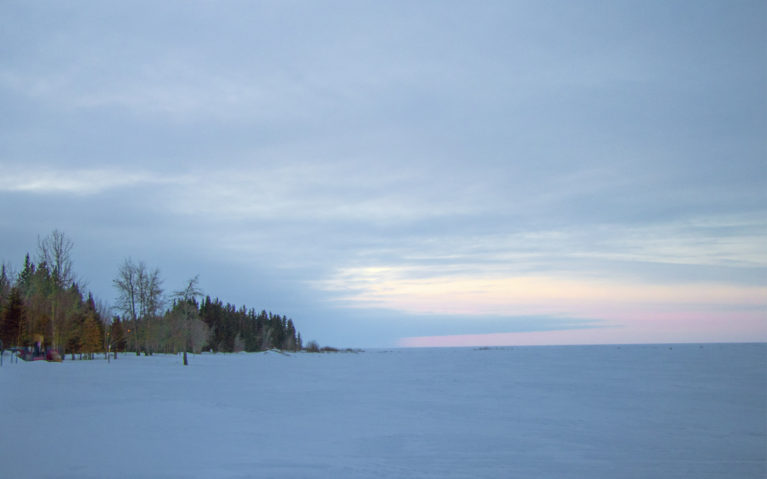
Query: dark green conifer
12	319
118	336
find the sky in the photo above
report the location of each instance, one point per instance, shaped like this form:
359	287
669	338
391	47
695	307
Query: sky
403	173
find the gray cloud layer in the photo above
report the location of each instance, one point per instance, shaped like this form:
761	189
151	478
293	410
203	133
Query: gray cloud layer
273	145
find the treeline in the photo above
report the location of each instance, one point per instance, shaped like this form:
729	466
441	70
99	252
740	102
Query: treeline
44	307
235	330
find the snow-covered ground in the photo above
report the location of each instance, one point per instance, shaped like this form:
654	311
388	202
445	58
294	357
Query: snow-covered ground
535	412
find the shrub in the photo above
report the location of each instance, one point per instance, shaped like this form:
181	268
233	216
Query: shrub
312	347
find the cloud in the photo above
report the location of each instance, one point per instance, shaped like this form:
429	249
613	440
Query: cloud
404	289
485	159
669	328
47	180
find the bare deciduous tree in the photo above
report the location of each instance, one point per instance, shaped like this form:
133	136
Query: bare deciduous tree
187	307
140	299
104	312
55	250
128	297
151	302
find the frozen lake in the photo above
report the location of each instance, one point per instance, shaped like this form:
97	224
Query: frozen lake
531	412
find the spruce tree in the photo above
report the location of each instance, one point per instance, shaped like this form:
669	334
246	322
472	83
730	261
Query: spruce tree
5	286
11	321
118	336
5	289
91	336
25	277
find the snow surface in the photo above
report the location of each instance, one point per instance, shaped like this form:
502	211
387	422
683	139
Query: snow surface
582	412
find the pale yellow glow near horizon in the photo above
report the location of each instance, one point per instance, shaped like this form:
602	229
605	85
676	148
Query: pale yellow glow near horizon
395	288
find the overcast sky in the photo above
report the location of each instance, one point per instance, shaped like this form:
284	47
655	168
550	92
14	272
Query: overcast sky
403	173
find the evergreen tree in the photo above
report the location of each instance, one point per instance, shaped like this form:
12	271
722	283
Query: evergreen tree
290	336
71	315
37	304
25	277
75	329
5	289
117	336
12	319
5	286
91	336
44	303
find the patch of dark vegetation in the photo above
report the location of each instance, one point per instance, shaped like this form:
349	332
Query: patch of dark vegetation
314	347
45	313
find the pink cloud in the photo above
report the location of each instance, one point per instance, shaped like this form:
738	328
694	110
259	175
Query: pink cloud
663	327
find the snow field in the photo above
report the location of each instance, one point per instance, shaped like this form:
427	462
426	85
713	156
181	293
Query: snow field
560	412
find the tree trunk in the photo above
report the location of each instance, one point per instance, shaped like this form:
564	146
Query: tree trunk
186	362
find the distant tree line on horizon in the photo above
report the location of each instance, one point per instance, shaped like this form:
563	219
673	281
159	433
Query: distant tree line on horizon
44	305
